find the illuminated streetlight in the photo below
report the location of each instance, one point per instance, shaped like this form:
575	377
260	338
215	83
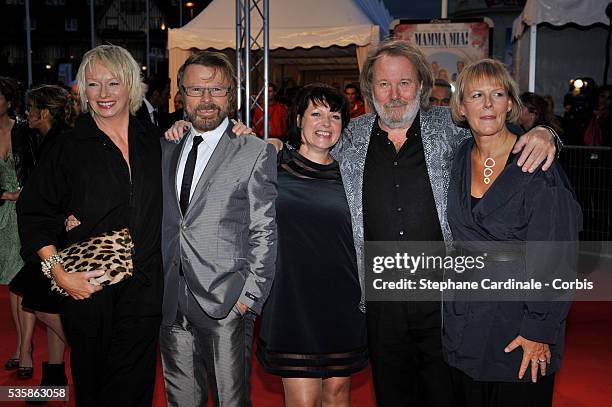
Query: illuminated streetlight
163	26
190	5
48	66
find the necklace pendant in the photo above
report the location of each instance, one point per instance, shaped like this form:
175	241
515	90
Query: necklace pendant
489	163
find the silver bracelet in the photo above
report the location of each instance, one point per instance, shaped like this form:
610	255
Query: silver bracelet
553	133
48	264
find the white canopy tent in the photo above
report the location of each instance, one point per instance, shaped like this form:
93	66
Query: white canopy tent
556	40
292	23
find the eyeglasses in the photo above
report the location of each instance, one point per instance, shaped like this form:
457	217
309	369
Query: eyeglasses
198	91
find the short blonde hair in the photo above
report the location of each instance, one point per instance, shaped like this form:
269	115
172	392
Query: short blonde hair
485	70
120	62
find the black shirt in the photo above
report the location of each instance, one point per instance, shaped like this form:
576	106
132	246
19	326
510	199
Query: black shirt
84	174
398	202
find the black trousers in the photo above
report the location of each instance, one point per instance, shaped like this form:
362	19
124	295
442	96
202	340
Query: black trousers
406	355
472	393
113	339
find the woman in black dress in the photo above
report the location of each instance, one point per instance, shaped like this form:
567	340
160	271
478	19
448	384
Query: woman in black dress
107	173
312	332
50	113
505	353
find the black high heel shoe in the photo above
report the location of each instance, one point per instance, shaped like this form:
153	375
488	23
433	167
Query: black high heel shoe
25	373
11	364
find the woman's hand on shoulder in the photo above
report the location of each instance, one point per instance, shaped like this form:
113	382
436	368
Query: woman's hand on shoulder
176	132
277	143
241	129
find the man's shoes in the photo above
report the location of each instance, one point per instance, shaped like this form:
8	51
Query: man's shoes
52	375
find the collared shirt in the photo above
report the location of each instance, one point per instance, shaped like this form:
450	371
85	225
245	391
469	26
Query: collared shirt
398	202
151	110
210	139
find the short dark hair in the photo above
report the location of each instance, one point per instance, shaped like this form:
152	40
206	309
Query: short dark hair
10	90
353	86
538	105
220	63
441	83
317	94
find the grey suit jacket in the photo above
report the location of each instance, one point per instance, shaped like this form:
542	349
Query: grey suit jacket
226	242
441	137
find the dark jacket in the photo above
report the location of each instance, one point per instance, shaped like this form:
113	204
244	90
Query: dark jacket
518	207
84	174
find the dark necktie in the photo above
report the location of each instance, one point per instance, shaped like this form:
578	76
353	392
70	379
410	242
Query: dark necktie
155	117
188	174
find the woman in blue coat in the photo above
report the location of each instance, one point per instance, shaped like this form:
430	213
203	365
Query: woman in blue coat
504	353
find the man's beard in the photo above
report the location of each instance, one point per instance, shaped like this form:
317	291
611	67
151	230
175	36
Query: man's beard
208	124
395	120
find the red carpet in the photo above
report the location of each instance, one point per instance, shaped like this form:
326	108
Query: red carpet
584	381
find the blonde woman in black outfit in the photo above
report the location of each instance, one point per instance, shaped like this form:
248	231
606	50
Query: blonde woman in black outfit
105	172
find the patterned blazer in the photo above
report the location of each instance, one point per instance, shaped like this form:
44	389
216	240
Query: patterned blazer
441	137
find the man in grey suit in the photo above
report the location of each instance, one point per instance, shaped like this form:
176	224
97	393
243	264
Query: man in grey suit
218	242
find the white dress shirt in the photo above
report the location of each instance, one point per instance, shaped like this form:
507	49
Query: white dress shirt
150	110
210	139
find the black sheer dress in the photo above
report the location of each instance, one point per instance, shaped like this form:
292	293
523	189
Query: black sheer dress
311	325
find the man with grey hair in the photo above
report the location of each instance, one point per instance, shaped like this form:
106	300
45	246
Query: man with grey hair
395	164
218	241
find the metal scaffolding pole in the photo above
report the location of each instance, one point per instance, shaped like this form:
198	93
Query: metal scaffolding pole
148	43
239	71
92	24
28	42
259	43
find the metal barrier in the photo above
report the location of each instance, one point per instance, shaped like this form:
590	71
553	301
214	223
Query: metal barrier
590	172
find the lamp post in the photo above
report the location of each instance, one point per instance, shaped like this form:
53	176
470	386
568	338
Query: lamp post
190	5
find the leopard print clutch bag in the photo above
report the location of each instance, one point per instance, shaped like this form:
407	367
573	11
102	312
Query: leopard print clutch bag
111	251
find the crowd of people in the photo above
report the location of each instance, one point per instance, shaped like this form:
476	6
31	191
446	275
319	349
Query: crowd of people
227	229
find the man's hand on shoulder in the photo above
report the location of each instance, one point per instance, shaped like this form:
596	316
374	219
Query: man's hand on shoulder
538	145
